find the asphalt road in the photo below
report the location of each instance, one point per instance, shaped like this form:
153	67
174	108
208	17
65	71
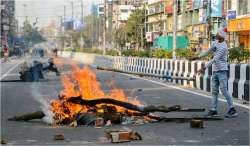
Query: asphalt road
23	97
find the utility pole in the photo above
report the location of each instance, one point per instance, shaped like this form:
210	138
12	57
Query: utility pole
82	23
64	18
61	23
104	29
72	9
24	9
72	15
209	23
174	27
142	38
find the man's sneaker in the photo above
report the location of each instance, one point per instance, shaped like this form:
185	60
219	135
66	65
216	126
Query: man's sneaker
212	113
231	113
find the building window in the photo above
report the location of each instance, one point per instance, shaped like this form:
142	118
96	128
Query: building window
124	10
151	10
195	16
150	27
242	7
229	3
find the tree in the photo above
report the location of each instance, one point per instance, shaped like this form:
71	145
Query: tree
91	30
134	29
31	34
119	37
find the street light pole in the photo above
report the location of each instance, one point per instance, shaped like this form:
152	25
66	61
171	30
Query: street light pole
174	28
104	29
82	23
64	18
72	15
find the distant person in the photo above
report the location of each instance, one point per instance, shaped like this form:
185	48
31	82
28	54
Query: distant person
220	71
55	52
5	53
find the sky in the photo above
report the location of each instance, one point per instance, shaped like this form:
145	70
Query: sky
48	11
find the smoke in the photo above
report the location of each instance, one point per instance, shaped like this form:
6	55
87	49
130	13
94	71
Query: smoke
44	101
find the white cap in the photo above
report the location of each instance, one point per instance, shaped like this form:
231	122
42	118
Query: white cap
222	32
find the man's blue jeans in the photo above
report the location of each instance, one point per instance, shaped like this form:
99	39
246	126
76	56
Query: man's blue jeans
219	79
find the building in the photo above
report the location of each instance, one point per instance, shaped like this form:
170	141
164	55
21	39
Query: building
238	16
198	20
117	14
8	23
121	14
155	19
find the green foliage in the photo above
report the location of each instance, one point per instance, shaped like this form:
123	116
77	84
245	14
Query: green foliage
161	53
235	54
119	37
238	54
185	53
131	32
143	54
31	34
129	52
112	52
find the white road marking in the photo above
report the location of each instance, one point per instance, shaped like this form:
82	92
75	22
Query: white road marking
9	75
185	90
11	69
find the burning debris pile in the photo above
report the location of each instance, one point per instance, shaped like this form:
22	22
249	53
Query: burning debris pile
35	71
83	102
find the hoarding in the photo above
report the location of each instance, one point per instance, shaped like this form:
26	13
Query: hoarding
231	14
216	8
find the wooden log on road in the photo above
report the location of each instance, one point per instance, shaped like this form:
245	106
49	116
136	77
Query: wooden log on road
130	106
28	117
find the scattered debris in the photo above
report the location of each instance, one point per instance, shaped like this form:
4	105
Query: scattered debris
59	136
108	123
127	120
139	90
139	121
194	123
121	136
99	122
73	124
3	141
27	117
82	102
35	71
118	136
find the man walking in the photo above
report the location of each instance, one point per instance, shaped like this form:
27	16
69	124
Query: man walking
220	70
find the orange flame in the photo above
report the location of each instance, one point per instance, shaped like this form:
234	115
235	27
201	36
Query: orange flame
83	82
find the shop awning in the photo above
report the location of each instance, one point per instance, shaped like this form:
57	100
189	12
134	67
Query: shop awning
240	24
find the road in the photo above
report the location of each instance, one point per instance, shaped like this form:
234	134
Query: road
23	97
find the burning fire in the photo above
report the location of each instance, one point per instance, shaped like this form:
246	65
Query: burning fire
83	82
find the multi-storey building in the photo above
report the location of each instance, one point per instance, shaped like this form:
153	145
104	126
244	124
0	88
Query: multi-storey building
117	14
155	19
238	16
198	20
8	22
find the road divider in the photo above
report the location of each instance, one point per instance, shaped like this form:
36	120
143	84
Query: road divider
179	70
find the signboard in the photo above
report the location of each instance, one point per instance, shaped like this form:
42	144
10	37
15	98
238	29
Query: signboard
216	8
149	36
197	4
202	16
241	24
231	14
169	7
